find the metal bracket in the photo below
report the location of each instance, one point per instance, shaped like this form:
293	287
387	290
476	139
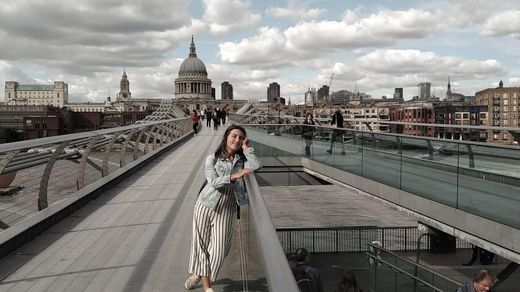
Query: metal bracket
80	181
122	160
104	171
44	183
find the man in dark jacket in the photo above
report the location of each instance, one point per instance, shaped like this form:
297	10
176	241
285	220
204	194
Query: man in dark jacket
307	277
337	122
482	282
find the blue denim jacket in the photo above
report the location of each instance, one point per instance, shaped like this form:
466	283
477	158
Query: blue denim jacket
218	173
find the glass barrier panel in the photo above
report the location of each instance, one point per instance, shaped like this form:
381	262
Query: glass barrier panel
381	159
423	176
489	179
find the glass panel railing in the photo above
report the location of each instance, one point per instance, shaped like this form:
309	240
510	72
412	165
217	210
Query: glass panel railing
391	272
474	177
423	176
487	179
381	159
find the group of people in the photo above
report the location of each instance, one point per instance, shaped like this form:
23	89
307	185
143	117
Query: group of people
218	116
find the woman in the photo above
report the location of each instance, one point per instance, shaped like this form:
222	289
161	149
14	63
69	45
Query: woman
195	121
308	133
348	283
216	206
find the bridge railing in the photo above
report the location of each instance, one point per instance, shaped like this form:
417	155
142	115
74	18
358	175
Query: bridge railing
262	241
475	177
37	173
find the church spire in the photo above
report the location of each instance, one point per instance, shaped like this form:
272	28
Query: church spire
448	91
193	52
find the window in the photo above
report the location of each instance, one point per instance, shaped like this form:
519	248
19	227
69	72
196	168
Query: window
505	108
505	115
504	136
505	102
505	123
457	116
465	115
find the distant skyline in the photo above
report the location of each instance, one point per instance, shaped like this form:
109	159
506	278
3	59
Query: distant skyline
372	45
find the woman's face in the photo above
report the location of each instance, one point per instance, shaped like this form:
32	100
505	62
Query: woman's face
234	141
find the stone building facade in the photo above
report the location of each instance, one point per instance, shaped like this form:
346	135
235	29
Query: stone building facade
503	109
56	94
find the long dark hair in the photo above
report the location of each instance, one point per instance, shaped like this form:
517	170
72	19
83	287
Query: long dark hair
221	150
348	283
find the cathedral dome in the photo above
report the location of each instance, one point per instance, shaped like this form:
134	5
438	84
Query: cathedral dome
193	65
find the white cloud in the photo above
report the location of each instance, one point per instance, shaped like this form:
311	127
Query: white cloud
308	40
428	63
296	10
505	23
226	16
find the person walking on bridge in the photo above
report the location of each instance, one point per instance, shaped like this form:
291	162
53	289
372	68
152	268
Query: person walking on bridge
216	206
195	121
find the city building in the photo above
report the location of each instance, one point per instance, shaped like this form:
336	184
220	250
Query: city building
193	90
124	89
424	90
273	91
192	81
311	97
323	93
452	113
503	110
56	94
413	113
368	118
398	93
226	90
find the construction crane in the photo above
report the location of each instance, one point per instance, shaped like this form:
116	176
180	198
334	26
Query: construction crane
330	84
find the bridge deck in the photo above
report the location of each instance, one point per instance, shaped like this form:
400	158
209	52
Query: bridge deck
134	237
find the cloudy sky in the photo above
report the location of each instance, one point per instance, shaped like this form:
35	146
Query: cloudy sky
370	45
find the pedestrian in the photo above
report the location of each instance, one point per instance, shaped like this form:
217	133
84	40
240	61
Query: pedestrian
214	117
348	283
307	277
209	112
482	282
308	133
337	122
223	114
195	121
216	206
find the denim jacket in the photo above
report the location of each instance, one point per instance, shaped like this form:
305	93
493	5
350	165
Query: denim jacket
218	173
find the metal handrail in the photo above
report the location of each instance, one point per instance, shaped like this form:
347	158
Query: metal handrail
59	139
376	259
278	272
414	263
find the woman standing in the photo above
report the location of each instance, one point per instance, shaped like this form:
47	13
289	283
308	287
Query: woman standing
216	206
195	121
308	133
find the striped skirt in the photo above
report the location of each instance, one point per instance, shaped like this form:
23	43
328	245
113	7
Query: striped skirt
211	238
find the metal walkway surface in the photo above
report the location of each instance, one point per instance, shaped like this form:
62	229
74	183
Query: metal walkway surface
135	237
